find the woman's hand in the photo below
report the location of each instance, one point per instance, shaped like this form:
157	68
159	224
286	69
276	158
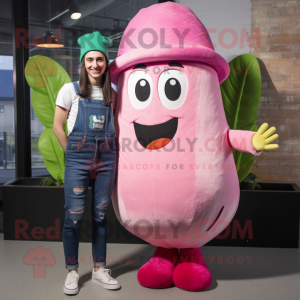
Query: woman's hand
60	119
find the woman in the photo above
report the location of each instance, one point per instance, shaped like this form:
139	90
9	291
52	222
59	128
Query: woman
90	156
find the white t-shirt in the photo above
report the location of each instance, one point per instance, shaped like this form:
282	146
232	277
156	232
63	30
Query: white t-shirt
68	99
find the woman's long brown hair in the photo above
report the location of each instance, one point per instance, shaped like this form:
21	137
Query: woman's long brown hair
105	83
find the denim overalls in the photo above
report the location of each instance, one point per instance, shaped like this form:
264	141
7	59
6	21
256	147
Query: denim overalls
90	156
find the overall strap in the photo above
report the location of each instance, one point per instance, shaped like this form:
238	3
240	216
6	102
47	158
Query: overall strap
76	87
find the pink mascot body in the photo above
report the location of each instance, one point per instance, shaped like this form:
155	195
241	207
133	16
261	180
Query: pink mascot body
176	185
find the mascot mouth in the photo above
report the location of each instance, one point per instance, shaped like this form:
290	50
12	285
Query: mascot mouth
156	136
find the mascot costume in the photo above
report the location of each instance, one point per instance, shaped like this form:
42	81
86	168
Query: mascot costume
177	185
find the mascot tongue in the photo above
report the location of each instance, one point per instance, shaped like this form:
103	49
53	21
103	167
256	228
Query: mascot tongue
159	143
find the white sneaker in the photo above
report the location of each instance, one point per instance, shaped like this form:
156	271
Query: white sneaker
71	283
102	277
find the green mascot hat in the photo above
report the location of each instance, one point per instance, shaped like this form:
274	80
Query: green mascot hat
94	42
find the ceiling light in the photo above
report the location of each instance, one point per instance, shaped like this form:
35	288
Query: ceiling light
51	41
74	12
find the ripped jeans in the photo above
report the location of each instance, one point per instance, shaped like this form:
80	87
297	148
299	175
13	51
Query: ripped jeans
91	162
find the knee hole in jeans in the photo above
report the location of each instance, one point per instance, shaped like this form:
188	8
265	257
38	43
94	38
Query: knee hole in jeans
78	190
76	211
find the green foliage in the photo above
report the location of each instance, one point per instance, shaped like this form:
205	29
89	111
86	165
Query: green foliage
249	183
241	96
46	77
54	156
50	181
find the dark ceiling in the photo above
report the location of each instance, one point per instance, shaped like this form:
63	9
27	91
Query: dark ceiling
112	17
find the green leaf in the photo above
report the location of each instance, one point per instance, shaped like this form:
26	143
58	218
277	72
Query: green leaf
241	96
46	77
54	155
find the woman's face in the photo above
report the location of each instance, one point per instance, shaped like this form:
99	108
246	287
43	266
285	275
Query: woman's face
95	64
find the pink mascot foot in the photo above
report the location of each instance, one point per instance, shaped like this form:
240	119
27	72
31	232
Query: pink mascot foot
191	272
158	271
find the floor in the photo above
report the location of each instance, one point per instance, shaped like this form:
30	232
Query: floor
238	273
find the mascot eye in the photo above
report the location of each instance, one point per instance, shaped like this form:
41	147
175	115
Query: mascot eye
172	87
140	89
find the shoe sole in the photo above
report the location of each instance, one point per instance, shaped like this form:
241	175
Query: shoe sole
70	292
105	285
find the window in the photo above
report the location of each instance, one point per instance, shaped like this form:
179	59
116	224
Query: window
7	126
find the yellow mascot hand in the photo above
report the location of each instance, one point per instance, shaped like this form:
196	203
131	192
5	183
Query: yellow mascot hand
262	138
